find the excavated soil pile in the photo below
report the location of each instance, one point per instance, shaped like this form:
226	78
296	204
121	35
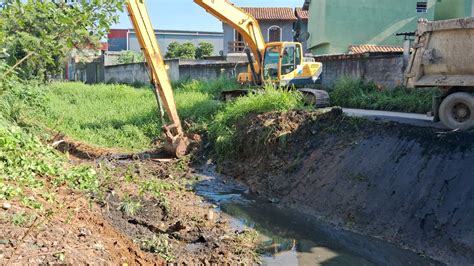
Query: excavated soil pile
412	186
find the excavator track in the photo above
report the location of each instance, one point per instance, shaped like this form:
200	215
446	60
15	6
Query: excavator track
314	97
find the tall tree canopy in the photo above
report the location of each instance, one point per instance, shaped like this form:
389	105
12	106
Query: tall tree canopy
50	29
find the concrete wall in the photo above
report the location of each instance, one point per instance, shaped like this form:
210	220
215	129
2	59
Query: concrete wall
177	69
385	71
209	71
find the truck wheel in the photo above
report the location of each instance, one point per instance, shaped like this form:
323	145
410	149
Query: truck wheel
457	111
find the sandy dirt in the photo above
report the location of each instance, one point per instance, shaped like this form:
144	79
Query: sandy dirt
407	185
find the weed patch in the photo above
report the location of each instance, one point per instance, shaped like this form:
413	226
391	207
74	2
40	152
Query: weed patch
112	116
223	133
27	168
159	244
359	94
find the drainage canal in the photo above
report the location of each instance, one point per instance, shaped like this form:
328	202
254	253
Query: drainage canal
289	237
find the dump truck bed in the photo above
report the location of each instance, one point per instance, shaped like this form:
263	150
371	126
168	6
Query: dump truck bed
443	54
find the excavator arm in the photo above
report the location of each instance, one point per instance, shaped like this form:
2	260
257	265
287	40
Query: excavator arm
177	142
244	24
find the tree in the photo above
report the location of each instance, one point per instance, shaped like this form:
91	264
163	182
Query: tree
129	57
204	49
172	52
50	29
186	50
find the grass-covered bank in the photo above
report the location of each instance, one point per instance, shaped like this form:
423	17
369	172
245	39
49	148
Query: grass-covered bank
115	116
119	116
365	95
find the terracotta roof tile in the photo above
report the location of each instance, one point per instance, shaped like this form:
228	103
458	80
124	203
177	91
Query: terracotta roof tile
369	48
271	13
302	14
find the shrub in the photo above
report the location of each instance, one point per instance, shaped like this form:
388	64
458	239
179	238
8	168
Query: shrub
129	57
204	49
187	51
172	50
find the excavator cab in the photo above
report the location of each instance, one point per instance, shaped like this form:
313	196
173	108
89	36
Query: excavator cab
282	59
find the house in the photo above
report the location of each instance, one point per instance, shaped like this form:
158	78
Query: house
336	25
126	39
276	23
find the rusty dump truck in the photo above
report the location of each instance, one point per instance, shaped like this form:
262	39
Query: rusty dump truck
443	57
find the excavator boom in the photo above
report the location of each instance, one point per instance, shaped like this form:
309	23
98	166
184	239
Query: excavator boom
159	77
242	22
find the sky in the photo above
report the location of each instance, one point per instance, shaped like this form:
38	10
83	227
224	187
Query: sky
186	15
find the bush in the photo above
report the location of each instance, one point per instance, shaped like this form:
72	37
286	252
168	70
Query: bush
187	51
27	166
129	57
359	94
172	50
204	49
223	131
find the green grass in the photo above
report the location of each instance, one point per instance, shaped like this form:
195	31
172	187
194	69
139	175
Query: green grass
223	131
358	94
119	116
105	115
115	116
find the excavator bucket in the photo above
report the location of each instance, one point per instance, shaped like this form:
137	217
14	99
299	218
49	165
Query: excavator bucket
176	144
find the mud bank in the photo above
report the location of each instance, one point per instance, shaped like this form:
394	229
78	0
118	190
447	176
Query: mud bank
410	186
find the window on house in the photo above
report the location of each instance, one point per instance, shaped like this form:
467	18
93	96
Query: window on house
239	44
274	34
421	7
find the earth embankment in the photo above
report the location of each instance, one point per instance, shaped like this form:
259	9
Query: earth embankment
412	186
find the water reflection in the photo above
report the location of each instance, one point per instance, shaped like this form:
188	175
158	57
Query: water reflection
290	238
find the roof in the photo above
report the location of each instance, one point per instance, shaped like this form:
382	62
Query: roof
306	4
271	13
369	48
302	14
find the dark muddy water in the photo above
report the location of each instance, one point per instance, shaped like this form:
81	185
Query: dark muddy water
291	238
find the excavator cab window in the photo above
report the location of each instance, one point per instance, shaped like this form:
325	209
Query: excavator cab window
270	63
288	62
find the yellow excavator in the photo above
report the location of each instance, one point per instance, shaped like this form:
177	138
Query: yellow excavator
281	63
177	142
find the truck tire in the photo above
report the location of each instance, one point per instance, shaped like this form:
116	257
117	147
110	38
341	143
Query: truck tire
457	111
